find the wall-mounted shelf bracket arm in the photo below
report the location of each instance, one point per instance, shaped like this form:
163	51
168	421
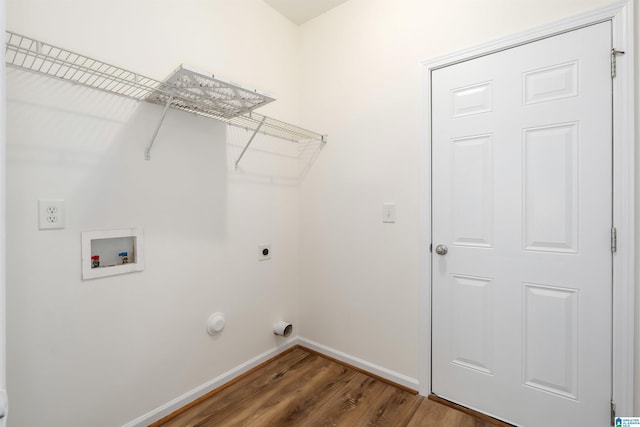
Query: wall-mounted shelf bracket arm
147	154
255	132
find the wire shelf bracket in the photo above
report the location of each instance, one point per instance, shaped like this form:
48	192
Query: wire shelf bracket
253	135
147	153
186	89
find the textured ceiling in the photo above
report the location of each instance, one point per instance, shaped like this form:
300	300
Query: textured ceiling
300	11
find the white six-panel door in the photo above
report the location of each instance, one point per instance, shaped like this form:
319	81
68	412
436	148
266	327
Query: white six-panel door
522	200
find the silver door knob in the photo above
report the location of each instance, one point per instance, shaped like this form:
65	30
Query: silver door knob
442	249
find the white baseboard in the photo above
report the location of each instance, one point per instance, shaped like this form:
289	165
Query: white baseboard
367	366
190	396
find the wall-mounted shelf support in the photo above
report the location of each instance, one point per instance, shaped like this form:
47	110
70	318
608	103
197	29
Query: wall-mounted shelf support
147	153
255	132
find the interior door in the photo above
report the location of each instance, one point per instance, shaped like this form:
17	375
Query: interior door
522	200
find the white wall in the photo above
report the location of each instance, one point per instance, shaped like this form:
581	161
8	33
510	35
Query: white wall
360	290
103	352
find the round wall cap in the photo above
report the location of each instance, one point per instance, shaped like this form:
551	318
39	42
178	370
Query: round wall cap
216	323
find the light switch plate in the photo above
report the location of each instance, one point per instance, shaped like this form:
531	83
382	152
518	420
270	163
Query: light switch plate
51	214
389	212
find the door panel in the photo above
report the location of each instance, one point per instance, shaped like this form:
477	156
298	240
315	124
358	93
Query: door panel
551	339
471	191
550	162
522	197
471	322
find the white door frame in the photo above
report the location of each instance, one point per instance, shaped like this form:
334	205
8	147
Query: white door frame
621	14
3	121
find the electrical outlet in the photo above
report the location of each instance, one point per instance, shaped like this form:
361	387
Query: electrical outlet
51	215
264	252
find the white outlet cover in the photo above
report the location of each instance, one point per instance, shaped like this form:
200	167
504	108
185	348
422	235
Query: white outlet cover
264	252
51	214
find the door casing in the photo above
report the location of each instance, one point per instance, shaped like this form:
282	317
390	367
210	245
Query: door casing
3	382
621	14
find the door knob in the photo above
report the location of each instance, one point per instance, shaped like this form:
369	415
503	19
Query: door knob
442	249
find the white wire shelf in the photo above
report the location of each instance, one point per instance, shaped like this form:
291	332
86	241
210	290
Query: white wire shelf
198	92
186	89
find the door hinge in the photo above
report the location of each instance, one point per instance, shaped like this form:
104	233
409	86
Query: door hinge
614	53
614	239
613	413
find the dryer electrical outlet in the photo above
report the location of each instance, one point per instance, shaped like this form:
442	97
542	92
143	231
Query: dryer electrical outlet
51	214
264	252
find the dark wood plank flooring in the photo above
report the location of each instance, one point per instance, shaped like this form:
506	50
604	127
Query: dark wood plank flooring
303	388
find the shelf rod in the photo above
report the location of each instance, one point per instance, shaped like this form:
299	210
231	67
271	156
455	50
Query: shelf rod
255	132
147	154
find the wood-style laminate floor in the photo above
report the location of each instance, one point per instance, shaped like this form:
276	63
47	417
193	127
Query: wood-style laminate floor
302	388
